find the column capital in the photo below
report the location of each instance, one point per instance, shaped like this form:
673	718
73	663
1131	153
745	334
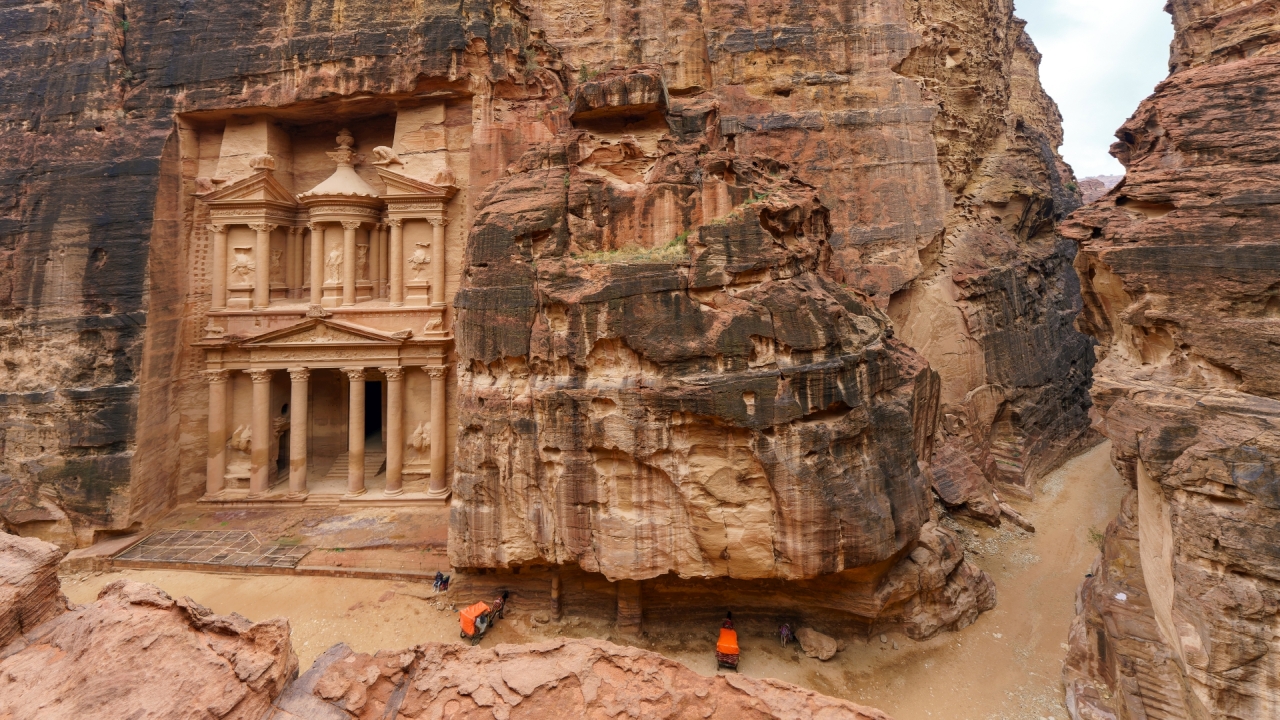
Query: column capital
260	375
354	373
393	373
436	371
315	226
299	374
217	228
395	222
216	376
263	227
351	224
438	221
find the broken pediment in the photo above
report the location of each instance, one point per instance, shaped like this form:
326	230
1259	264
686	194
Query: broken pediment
261	186
318	331
398	184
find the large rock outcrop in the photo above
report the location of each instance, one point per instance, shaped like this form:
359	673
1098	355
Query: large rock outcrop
561	678
717	405
30	592
137	653
1179	263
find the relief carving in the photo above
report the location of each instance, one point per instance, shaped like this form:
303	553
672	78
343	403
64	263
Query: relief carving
333	266
277	266
242	265
362	261
419	259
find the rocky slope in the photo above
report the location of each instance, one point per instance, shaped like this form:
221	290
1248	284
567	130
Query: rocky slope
138	653
562	678
1179	263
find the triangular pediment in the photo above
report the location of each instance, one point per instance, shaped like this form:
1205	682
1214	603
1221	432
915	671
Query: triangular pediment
317	331
398	184
260	186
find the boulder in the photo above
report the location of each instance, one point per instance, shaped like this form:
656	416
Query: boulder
29	589
817	645
138	653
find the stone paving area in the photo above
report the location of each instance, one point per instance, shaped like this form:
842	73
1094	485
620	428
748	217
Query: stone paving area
237	548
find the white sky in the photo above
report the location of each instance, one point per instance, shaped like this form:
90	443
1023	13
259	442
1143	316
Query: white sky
1101	58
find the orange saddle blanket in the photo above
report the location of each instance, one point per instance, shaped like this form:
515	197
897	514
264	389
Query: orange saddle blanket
728	642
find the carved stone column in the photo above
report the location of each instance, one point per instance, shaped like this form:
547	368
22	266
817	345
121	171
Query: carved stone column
298	431
396	262
260	434
439	487
355	433
317	268
395	430
375	260
262	265
349	261
292	259
215	480
437	261
219	273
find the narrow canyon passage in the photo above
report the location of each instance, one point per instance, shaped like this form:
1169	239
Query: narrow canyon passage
1006	665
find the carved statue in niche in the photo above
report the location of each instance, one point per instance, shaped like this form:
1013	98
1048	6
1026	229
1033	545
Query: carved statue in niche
333	266
277	266
238	459
241	439
419	260
362	262
242	266
420	440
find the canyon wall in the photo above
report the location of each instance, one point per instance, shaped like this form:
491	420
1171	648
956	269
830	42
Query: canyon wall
1179	268
705	328
742	283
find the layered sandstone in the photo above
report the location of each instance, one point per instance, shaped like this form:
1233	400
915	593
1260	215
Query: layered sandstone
137	653
1179	265
30	592
561	678
726	268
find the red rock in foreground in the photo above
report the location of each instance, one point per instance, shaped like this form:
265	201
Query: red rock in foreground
137	653
557	679
29	590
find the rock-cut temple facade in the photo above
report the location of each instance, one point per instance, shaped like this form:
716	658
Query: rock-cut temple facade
327	346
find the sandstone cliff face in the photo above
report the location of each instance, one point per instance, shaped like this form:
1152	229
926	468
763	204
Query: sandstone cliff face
563	678
643	389
729	411
993	304
101	402
1179	262
137	653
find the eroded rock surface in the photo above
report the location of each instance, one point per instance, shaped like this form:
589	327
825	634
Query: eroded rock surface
563	678
137	653
1180	265
29	589
730	411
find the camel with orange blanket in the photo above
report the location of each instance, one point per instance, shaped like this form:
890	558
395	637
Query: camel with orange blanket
727	646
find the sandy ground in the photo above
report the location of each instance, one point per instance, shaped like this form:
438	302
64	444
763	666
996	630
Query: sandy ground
1006	665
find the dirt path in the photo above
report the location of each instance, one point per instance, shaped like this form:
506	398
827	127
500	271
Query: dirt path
1006	665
